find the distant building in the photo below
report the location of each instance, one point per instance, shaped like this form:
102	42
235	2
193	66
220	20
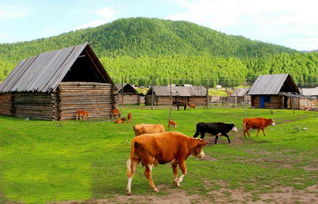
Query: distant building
241	96
274	91
126	95
160	95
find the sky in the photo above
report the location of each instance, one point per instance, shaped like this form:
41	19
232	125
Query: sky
291	23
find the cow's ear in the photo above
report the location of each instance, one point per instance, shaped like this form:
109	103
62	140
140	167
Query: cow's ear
202	143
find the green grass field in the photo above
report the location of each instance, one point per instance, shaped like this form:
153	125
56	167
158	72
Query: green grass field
43	161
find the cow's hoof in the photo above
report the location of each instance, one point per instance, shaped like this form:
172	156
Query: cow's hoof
128	193
176	183
155	190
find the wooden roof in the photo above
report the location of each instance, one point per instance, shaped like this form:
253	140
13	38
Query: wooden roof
178	91
309	91
240	92
44	72
273	85
126	88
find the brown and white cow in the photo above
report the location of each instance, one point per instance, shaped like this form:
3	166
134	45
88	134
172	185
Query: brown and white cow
152	149
256	123
148	129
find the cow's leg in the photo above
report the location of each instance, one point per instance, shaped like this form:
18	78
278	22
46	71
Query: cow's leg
263	132
175	172
202	134
185	107
183	168
228	138
246	130
131	169
196	134
216	139
257	132
148	170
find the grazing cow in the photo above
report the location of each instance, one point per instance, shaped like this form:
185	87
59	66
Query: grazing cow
179	103
161	148
172	123
216	129
120	120
115	113
129	116
82	115
148	129
192	105
256	123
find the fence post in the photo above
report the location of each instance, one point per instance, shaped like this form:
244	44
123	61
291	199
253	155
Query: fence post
207	96
152	94
122	90
171	101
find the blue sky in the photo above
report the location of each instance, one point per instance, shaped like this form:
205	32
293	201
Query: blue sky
291	23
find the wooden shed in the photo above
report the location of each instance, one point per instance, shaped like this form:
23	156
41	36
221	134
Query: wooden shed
240	96
160	95
126	94
274	91
53	85
308	99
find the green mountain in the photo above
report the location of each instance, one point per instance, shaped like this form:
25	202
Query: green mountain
149	51
146	37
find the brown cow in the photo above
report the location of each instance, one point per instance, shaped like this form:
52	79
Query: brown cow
172	123
115	113
129	116
192	105
256	123
152	149
148	129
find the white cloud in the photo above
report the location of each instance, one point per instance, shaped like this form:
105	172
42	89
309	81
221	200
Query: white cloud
269	20
104	15
9	12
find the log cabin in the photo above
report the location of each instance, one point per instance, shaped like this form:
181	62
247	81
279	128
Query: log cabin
53	85
274	91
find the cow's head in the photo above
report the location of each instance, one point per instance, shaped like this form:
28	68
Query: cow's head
198	149
272	122
234	129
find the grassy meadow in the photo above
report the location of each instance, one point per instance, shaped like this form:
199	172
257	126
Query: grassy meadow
45	161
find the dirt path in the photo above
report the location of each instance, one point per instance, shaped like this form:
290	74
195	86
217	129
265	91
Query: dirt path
223	195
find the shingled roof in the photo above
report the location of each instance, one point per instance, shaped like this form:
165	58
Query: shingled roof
273	85
179	91
44	72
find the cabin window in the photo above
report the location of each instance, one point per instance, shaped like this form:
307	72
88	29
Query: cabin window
267	99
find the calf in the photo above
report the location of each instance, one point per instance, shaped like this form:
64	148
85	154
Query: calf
192	105
129	116
82	115
120	120
172	123
148	129
216	129
153	149
256	123
115	113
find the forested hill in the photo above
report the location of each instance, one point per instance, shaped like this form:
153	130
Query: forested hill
137	37
145	51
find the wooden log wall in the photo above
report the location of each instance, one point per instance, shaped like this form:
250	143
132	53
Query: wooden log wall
198	100
6	105
275	102
34	105
127	99
96	98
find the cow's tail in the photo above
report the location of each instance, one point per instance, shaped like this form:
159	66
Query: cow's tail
132	155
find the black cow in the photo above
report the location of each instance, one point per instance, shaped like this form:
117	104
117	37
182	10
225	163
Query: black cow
180	103
216	129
